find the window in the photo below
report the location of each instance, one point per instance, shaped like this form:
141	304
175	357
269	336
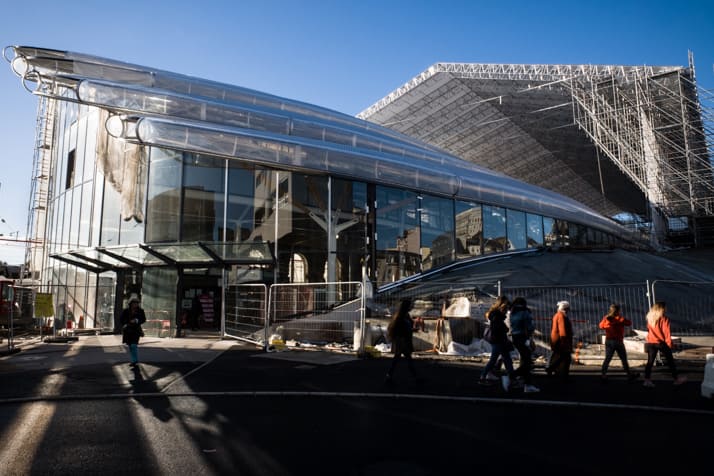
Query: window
69	178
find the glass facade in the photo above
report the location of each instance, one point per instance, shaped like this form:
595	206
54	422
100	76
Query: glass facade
320	228
330	198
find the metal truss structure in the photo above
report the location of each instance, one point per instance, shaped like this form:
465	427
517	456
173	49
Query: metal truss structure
551	125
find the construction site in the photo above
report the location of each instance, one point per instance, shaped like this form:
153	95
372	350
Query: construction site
632	142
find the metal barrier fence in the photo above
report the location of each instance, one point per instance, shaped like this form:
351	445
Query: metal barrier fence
324	314
588	304
158	323
246	311
690	305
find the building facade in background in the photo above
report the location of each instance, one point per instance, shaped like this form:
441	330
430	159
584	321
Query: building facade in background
172	186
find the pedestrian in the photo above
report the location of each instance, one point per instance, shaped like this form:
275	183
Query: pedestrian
614	325
659	339
400	332
131	319
561	343
522	328
500	345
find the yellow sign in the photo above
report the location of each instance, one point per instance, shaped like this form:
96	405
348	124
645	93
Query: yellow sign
43	305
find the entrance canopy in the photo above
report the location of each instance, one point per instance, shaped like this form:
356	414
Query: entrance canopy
198	254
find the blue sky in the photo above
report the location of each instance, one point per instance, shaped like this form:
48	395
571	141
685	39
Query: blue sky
344	55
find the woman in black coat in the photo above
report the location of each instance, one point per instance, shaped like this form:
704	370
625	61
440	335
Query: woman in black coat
400	331
131	320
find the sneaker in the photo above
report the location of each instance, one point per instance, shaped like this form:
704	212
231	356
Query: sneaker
648	383
531	389
491	376
680	380
505	383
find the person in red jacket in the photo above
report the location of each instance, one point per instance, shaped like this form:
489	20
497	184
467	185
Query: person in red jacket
659	339
614	325
561	343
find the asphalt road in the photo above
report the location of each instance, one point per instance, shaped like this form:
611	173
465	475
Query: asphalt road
225	408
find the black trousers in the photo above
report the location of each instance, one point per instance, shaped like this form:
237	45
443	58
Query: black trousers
664	350
560	363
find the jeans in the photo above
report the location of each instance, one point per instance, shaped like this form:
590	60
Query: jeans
134	353
612	346
502	349
526	358
665	350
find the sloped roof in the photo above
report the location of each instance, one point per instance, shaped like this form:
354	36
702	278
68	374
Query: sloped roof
517	120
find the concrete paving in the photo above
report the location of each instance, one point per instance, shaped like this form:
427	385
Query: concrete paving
100	364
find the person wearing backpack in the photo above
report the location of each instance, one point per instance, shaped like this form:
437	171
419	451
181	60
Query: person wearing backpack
522	328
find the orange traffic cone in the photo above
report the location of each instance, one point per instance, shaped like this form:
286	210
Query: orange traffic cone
577	352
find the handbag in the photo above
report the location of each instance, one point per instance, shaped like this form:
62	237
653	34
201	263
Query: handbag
487	336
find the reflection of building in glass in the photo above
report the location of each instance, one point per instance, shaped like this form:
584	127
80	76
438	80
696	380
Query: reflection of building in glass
161	184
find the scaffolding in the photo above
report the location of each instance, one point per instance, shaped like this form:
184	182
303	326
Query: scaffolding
657	128
653	122
40	187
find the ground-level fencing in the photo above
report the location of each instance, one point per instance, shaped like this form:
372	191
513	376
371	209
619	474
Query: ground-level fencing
690	306
246	312
301	314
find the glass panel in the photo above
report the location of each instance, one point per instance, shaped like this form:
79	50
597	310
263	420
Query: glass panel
302	218
93	254
66	218
85	214
516	224
97	211
81	150
106	289
258	251
551	231
563	232
469	229
110	217
132	232
158	295
535	230
349	201
74	228
494	229
136	254
163	196
241	186
437	231
578	235
185	252
90	144
202	217
397	234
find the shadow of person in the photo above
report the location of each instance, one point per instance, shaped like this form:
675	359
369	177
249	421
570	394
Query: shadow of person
147	393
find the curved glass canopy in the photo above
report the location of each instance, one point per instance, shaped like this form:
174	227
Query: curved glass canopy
165	109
